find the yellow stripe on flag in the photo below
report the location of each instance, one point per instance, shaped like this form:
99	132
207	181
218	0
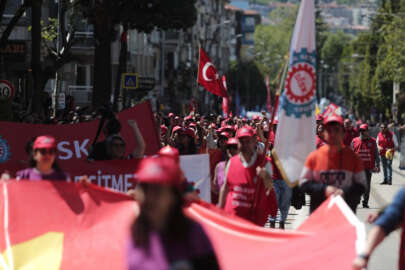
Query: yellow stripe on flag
43	252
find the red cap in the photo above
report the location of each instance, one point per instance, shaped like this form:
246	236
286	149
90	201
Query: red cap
213	125
171	152
232	141
255	117
364	127
333	118
159	170
245	131
189	132
220	130
188	118
275	122
176	128
244	119
229	127
177	118
45	141
163	128
171	114
224	134
359	122
193	125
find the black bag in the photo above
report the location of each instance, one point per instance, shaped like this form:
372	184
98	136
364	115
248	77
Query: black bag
298	198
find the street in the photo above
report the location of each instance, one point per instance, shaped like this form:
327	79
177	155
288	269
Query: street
386	255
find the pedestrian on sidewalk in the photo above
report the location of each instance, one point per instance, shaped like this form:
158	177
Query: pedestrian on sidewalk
333	169
387	143
366	148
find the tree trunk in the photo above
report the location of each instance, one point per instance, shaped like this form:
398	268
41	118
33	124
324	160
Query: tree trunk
36	56
102	73
122	66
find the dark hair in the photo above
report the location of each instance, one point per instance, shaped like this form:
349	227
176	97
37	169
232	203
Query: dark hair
113	126
177	226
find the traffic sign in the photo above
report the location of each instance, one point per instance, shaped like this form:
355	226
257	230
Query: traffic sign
7	90
130	80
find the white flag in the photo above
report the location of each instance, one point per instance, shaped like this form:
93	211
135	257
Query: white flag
295	137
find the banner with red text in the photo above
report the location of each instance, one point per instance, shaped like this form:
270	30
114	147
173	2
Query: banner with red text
329	239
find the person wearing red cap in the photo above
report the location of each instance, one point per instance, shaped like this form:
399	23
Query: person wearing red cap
162	236
349	132
247	176
333	169
43	164
366	148
163	135
184	140
386	141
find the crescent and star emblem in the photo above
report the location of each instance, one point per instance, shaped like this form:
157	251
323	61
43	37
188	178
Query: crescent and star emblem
204	72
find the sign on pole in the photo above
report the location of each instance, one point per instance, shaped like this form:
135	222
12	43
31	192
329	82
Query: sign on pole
7	90
130	81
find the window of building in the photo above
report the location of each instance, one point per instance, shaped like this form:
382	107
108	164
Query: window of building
84	74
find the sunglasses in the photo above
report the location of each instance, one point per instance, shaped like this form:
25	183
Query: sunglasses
45	151
118	144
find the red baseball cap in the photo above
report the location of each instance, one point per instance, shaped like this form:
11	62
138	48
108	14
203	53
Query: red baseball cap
245	131
364	127
213	125
275	122
188	118
163	128
232	141
171	152
333	118
229	127
171	114
176	128
159	170
224	134
44	141
319	117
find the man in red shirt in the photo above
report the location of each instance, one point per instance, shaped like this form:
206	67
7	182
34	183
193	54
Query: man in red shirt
349	132
247	175
333	169
366	148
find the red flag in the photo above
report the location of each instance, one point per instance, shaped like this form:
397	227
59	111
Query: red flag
268	94
225	101
63	226
332	232
208	76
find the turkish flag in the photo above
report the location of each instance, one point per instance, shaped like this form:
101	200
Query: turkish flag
225	101
208	76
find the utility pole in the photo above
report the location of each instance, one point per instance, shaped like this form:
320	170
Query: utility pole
58	42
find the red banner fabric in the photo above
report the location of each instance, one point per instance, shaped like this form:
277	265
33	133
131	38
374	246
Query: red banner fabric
63	226
327	240
74	141
208	76
67	222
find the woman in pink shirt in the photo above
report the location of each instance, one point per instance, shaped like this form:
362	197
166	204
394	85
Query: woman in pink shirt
43	164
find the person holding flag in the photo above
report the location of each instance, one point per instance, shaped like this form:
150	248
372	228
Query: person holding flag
333	169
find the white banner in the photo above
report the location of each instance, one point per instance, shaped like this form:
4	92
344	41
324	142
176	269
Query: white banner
295	137
197	170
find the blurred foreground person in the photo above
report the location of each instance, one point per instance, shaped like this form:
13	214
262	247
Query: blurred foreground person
162	236
43	165
388	221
